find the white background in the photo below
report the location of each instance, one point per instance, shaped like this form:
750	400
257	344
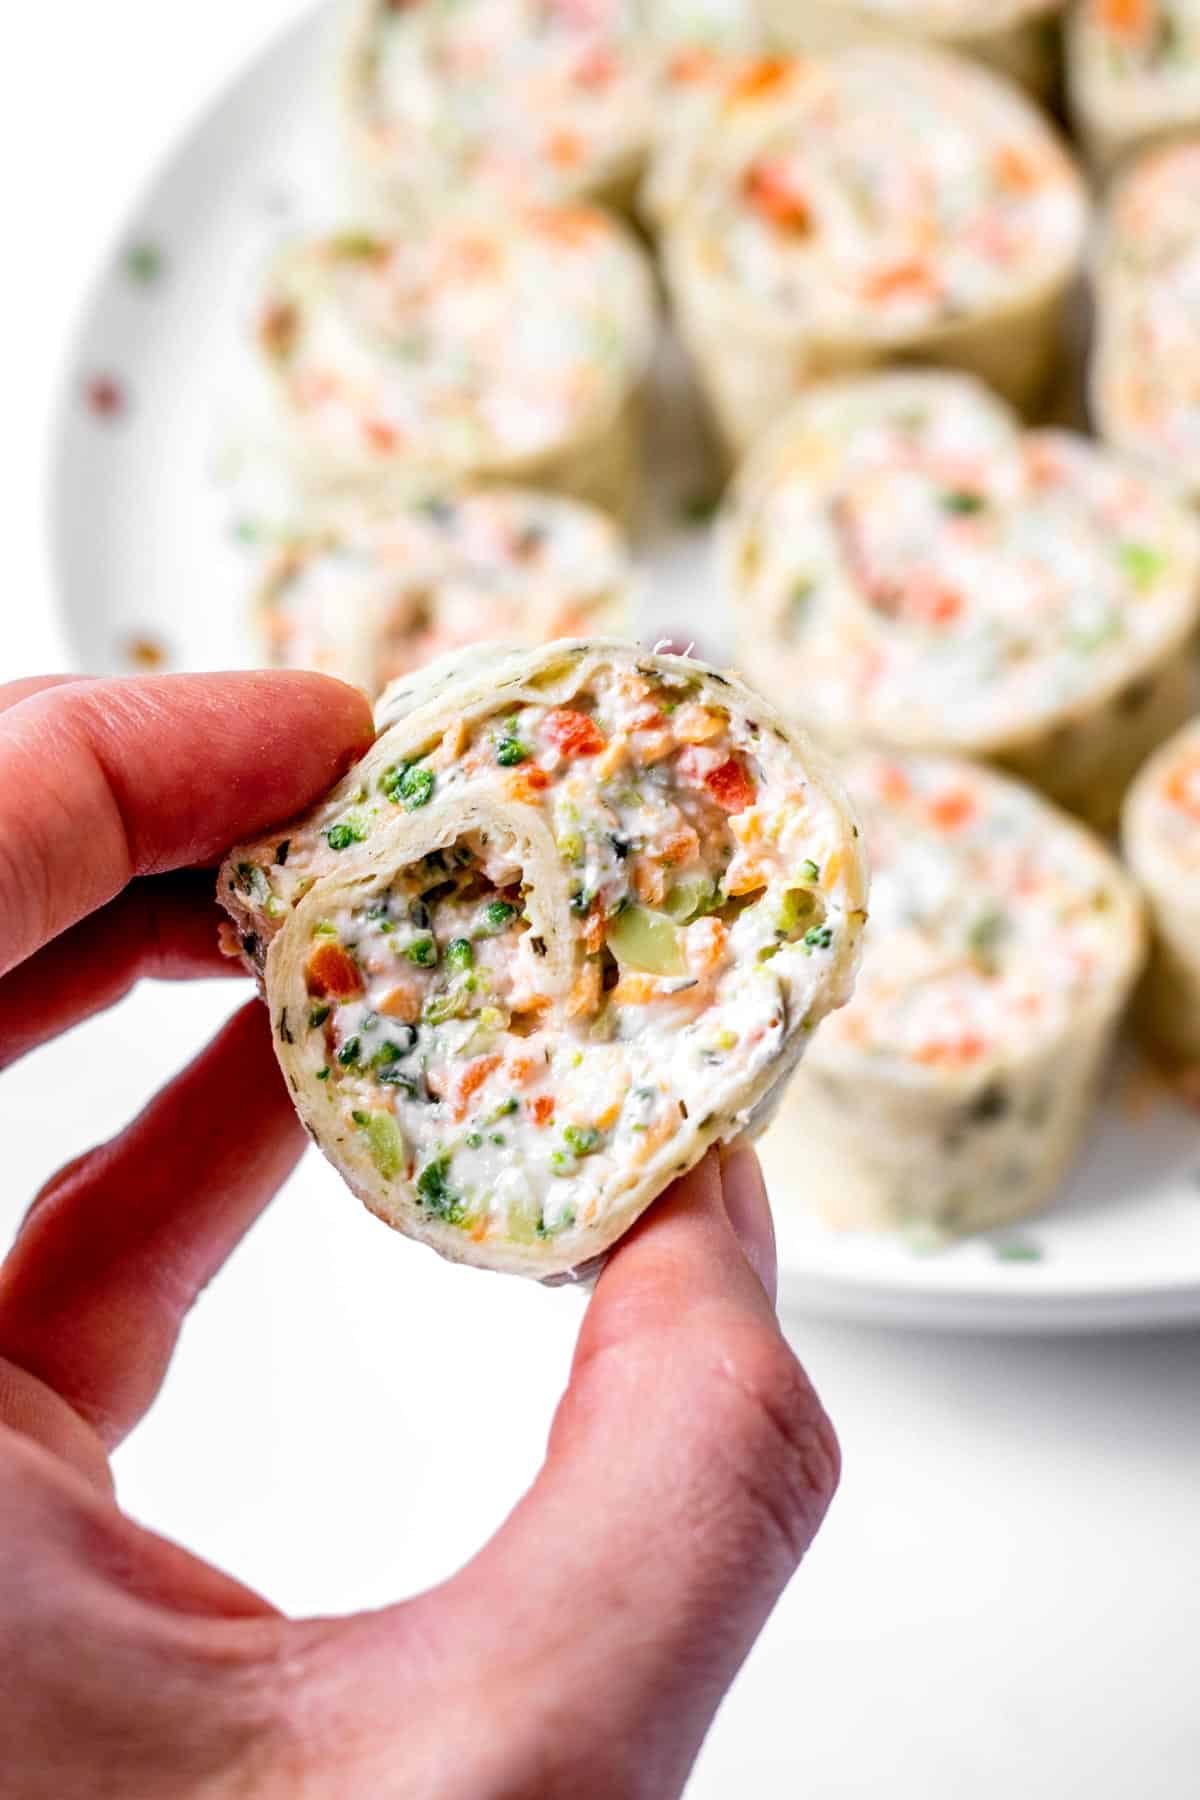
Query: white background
1006	1599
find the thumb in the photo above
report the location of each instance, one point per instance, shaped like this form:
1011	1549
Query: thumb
689	1467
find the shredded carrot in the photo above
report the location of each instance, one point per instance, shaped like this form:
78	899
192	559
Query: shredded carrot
541	1109
1015	169
471	1080
676	847
331	972
636	990
471	256
1182	786
768	191
585	995
653	745
894	785
694	724
610	760
565	149
914	276
950	1053
764	75
649	1141
1042	462
593	931
403	1003
730	786
381	436
745	874
704	945
952	809
527	783
649	882
573	733
569	224
1127	18
596	69
693	65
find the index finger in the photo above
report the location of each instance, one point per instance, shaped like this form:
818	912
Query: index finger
101	781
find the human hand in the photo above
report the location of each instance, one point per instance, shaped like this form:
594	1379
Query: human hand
585	1649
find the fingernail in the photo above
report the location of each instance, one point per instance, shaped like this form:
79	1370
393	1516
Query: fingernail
749	1211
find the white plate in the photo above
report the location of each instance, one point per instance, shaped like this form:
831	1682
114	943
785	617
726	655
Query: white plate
158	464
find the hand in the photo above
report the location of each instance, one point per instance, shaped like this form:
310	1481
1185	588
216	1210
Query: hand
584	1651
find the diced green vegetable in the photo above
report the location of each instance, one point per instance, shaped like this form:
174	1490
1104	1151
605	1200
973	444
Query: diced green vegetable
962	500
648	941
451	1003
497	916
510	751
350	830
349	1052
810	870
689	896
818	937
423	952
356	246
1101	631
437	1196
582	1140
699	508
984	935
407	784
1141	563
797	906
253	881
459	953
416	787
385	1142
317	1016
524	1220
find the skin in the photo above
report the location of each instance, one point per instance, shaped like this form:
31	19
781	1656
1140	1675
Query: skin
584	1650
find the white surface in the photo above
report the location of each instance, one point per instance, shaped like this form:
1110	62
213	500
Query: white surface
144	511
1003	1602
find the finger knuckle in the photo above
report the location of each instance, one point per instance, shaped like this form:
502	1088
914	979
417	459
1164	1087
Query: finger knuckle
779	1446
